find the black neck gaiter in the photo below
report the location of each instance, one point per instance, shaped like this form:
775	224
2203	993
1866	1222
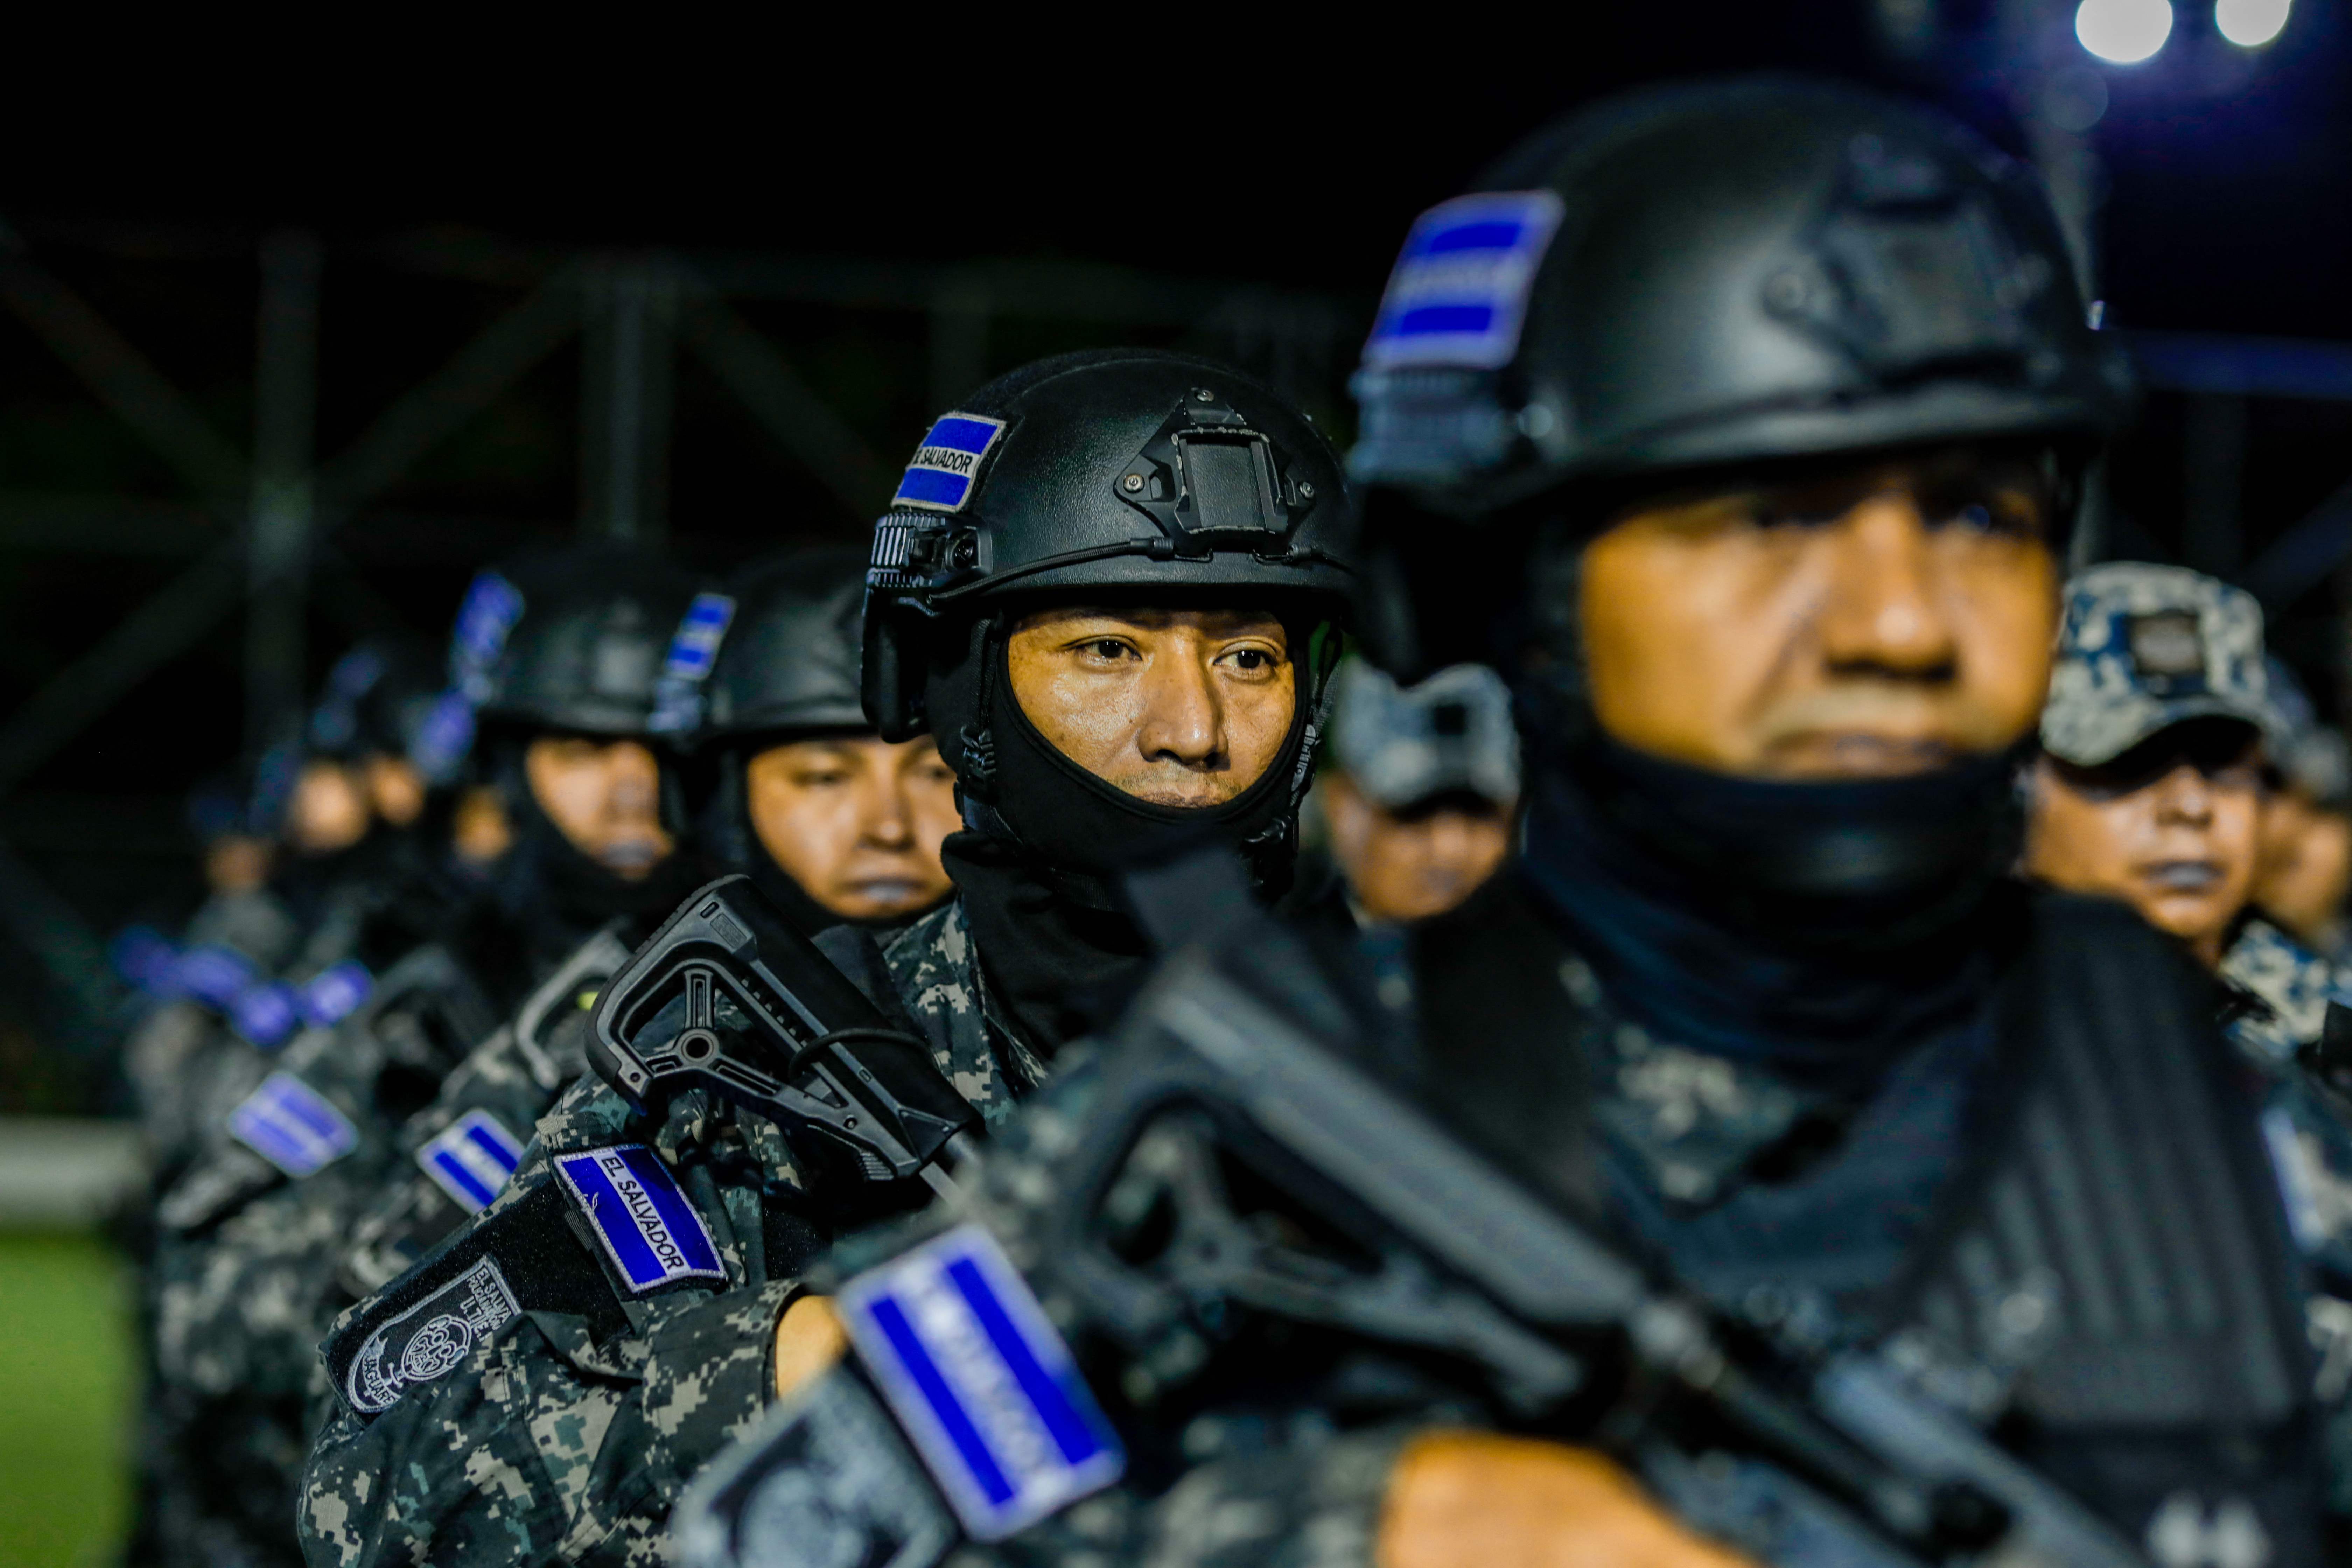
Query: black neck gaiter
1818	929
1038	870
558	897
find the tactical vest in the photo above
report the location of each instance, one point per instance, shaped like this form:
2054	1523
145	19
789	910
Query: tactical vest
2110	1286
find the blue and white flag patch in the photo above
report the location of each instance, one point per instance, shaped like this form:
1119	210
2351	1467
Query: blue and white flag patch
939	479
653	1235
293	1126
471	1159
491	608
266	1015
335	993
214	976
1459	294
984	1388
693	650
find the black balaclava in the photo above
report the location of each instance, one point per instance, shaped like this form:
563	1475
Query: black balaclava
1045	839
1819	928
555	894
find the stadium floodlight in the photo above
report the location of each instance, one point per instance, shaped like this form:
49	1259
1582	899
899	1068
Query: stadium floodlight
2123	32
2251	23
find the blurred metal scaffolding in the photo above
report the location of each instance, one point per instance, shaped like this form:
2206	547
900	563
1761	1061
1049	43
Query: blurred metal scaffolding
255	528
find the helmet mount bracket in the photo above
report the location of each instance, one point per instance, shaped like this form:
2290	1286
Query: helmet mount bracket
1206	479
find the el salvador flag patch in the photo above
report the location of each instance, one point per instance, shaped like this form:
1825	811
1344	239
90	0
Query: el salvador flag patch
651	1233
471	1159
293	1126
335	993
1459	294
940	477
983	1386
693	650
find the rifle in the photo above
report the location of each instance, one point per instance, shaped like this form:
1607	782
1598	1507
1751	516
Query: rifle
1209	1089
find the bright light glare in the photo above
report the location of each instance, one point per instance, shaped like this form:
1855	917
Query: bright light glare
2123	32
2251	23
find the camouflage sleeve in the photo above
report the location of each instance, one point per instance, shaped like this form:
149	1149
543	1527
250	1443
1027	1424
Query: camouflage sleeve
543	1447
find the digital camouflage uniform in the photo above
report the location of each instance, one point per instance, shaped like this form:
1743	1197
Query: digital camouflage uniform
549	1441
247	1249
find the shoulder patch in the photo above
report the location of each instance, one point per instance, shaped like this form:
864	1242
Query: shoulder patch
984	1387
293	1126
335	993
940	476
430	1338
471	1159
422	1326
653	1235
1459	294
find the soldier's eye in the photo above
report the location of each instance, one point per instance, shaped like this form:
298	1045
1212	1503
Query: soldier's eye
1108	649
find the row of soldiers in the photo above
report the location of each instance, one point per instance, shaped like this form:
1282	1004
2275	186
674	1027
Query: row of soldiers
1742	428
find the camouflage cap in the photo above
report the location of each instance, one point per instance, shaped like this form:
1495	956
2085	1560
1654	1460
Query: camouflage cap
2144	647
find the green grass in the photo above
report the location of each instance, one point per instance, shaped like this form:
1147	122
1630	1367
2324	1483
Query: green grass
67	1368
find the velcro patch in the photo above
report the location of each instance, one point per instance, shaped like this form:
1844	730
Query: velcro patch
2168	643
1459	294
430	1338
693	649
266	1015
491	608
335	993
985	1389
214	975
939	479
652	1235
293	1126
471	1159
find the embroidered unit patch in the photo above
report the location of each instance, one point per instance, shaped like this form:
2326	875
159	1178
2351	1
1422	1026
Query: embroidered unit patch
1459	294
649	1231
940	477
293	1126
985	1389
430	1338
335	993
693	649
471	1159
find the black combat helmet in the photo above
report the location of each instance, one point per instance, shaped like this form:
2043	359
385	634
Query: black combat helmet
1695	287
1720	273
787	670
1122	469
790	659
378	698
590	641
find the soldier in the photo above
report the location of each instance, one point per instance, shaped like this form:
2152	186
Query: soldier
2306	865
1421	794
1108	584
2155	778
251	1235
832	823
1775	398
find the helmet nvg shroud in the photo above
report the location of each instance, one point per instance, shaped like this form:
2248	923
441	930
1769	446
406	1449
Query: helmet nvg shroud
1122	469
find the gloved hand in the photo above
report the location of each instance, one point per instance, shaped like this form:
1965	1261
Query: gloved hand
809	1340
1472	1500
